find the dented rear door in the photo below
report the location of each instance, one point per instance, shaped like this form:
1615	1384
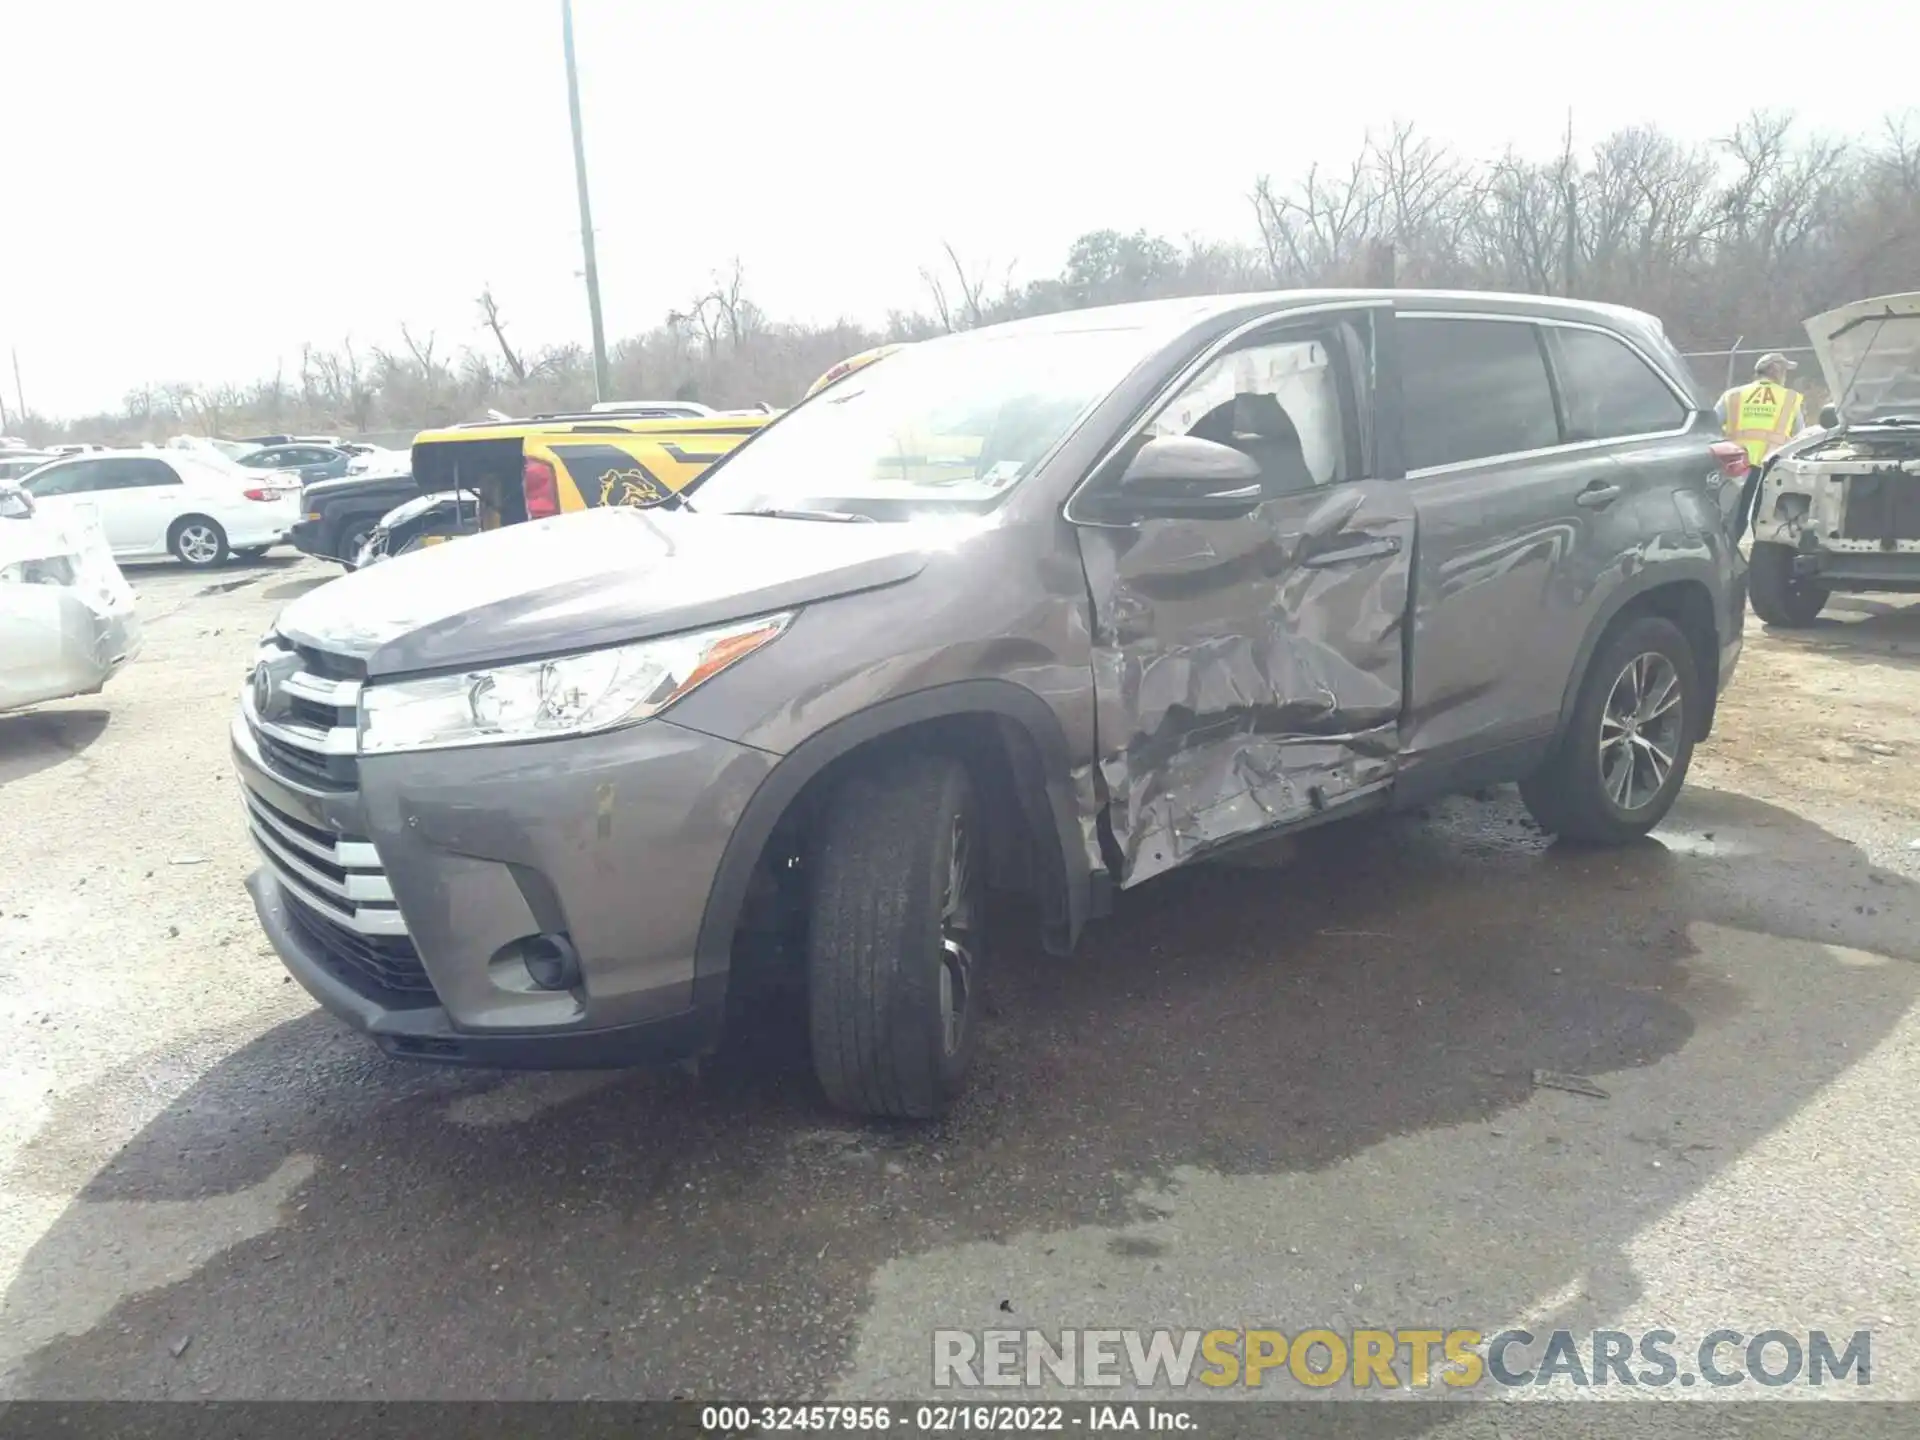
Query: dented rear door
1249	672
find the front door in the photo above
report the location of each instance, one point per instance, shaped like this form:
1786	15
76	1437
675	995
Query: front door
1249	671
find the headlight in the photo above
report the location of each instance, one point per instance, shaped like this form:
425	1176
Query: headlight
572	695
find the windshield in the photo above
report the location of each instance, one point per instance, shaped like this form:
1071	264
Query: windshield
948	425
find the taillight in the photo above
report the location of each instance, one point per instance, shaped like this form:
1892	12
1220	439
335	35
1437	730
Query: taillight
1732	458
541	488
259	495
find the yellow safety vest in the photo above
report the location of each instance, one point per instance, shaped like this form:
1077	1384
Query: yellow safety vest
1760	416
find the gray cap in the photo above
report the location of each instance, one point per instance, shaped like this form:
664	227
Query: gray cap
1771	359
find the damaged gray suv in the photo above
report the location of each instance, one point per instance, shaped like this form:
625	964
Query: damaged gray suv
1054	606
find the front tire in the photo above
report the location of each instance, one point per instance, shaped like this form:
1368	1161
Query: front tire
1779	596
894	945
1615	772
198	542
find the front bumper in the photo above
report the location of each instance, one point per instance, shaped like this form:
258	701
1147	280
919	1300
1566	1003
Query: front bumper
308	537
613	840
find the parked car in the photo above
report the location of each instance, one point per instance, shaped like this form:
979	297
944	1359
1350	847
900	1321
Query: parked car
332	441
67	617
1839	507
337	516
378	460
229	450
188	503
309	462
422	521
1058	606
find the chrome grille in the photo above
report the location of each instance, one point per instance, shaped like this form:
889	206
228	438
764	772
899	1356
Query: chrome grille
338	876
308	730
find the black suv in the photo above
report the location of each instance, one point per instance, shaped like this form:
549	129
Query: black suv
338	516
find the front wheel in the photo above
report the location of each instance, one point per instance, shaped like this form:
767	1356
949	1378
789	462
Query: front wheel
1617	769
894	946
1779	596
198	541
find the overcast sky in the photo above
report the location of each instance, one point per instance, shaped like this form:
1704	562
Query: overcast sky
195	187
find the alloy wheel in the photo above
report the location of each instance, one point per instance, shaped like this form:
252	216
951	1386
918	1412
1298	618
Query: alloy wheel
198	545
1640	731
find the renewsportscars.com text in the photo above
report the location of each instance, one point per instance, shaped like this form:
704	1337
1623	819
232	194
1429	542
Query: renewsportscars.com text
1416	1359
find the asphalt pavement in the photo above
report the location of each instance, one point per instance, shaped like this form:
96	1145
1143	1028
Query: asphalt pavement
1316	1094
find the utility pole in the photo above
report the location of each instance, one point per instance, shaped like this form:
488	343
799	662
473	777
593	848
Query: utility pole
586	211
19	392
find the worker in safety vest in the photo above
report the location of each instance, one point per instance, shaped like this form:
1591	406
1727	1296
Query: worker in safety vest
1765	415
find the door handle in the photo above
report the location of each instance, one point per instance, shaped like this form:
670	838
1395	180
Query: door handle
1353	555
1597	496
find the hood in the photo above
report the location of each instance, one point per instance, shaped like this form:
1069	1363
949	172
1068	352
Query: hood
1870	357
592	578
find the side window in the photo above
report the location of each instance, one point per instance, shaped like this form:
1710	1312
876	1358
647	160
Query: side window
1608	390
74	479
147	472
1280	399
1472	389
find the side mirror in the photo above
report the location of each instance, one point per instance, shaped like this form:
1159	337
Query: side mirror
1829	417
1182	477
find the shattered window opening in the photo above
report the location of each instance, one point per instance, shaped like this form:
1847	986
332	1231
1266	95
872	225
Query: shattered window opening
1276	400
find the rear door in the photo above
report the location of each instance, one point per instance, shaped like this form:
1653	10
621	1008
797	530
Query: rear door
1614	397
1505	532
146	498
1248	671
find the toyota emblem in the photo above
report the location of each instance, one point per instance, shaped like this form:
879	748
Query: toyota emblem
263	687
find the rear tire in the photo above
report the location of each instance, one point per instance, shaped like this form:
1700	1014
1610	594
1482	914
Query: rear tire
1618	767
895	938
198	541
1779	596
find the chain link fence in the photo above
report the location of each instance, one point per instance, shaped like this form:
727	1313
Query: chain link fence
1723	369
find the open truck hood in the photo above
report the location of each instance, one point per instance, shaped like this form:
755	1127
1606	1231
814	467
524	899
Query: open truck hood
592	578
1870	357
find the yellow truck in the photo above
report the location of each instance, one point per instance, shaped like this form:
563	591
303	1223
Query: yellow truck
636	453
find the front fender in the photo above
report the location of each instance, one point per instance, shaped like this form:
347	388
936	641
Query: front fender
1045	792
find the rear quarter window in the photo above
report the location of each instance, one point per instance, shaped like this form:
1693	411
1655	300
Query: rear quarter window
1472	390
1609	391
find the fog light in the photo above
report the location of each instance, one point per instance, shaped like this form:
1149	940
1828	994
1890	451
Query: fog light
552	962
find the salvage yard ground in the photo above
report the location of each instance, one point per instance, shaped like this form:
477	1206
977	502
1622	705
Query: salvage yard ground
1299	1096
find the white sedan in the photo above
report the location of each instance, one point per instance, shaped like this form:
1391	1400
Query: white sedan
195	506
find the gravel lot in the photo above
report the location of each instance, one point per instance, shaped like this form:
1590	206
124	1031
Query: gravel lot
1300	1096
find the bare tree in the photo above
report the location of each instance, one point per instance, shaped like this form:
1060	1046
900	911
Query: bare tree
965	306
490	315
